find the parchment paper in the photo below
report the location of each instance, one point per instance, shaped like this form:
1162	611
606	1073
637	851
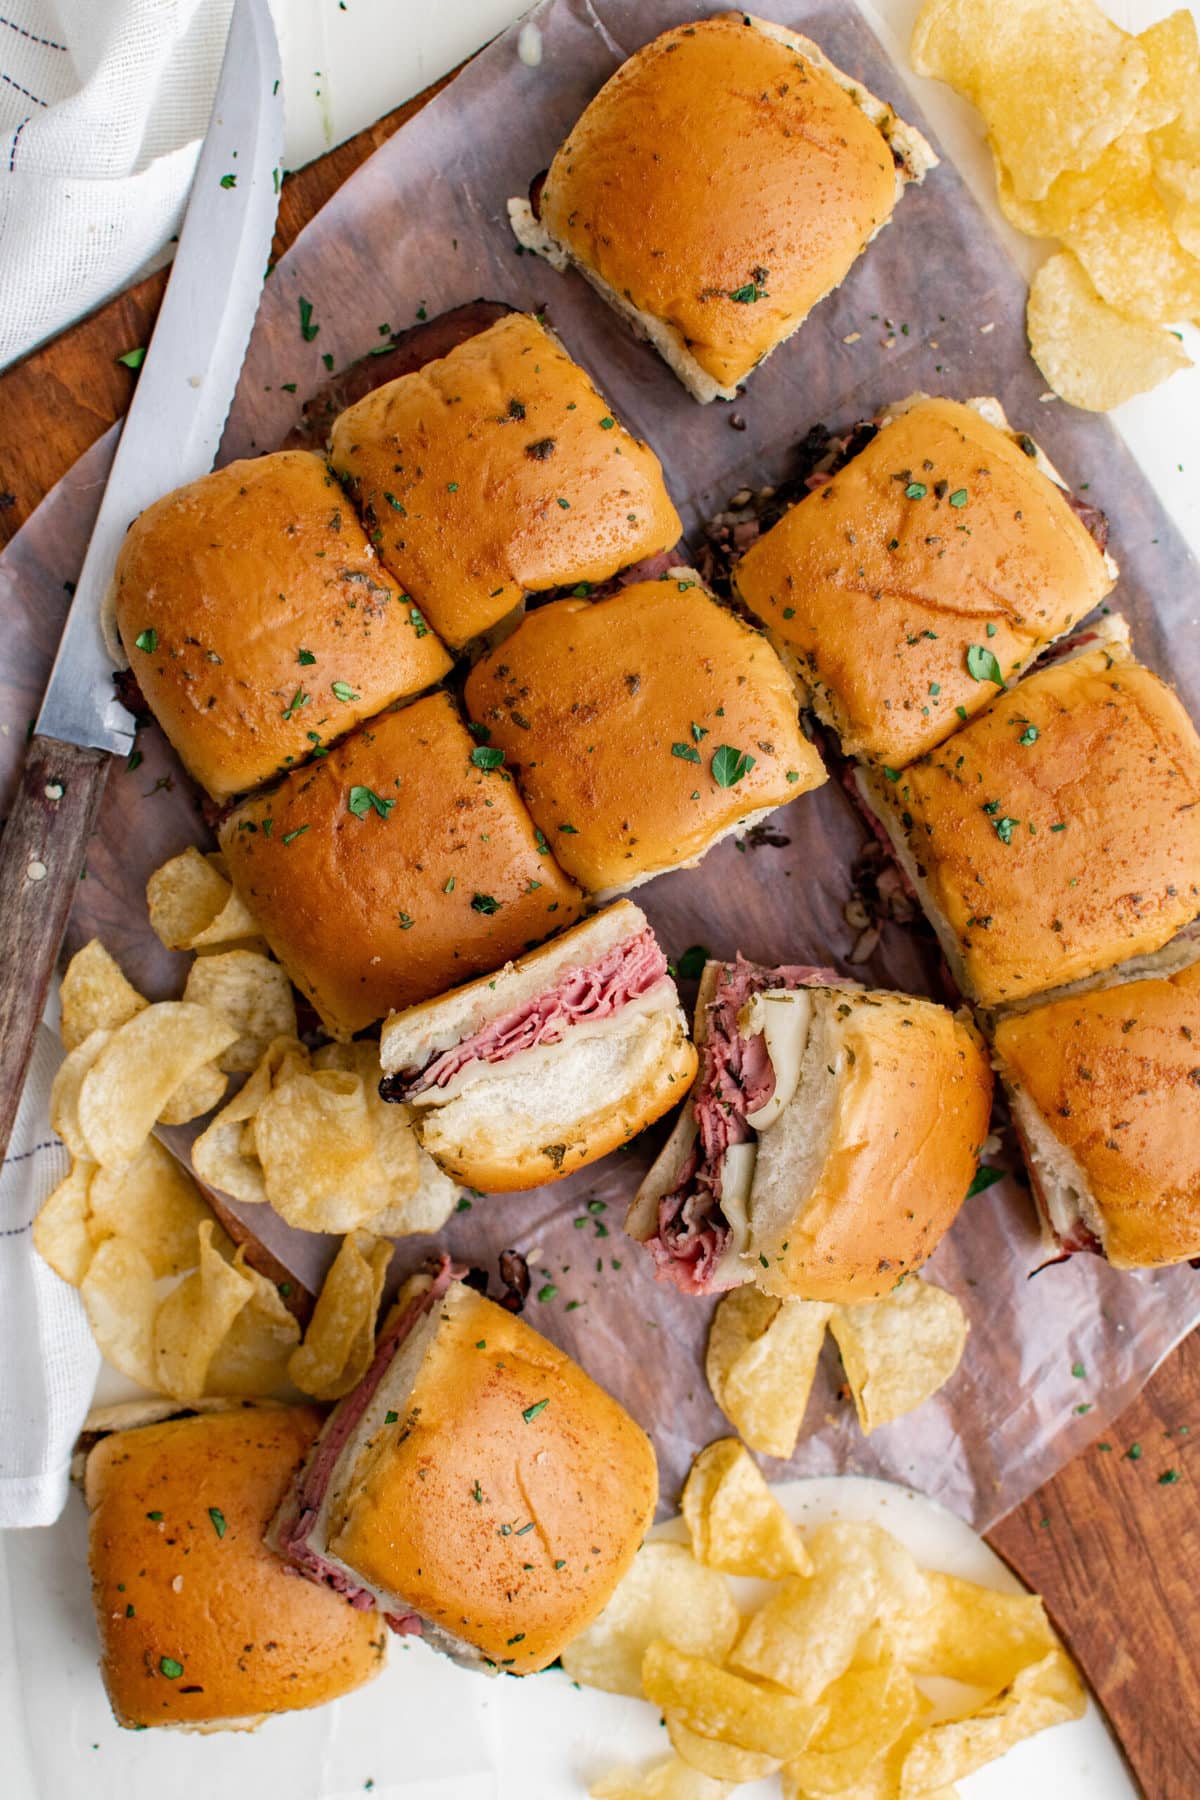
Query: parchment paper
421	227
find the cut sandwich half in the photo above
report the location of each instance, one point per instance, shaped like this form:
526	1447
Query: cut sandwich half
557	1059
827	1144
477	1488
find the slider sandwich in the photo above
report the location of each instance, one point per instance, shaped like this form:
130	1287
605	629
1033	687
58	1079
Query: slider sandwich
259	621
642	728
499	471
401	863
1058	833
476	1488
201	1626
720	184
935	545
529	1074
1104	1085
828	1142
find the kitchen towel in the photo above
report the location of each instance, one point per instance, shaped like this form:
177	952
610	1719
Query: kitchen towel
48	1361
103	106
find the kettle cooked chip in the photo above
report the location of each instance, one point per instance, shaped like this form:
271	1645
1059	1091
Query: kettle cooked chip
900	1350
193	905
155	1203
95	995
761	1362
137	1071
717	1703
673	1780
1088	353
868	1710
253	993
195	1318
665	1593
60	1231
735	1521
340	1340
714	1757
120	1299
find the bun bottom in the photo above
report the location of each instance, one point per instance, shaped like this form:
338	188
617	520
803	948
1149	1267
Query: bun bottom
508	1132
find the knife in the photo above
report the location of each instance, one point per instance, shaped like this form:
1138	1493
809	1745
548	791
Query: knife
170	436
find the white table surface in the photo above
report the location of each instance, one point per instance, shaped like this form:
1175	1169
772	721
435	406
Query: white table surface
427	1731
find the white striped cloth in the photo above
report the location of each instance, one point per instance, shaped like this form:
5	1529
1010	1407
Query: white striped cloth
103	106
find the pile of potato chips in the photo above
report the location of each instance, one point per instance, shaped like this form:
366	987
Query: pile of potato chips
762	1357
170	1301
859	1676
1096	138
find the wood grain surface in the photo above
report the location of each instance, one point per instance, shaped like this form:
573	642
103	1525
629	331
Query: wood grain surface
1112	1540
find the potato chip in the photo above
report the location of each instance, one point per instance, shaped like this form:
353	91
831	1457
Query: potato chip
253	993
1088	353
315	1141
672	1780
1131	256
422	1198
65	1090
974	1634
155	1203
252	1359
195	1096
340	1340
761	1362
223	1155
724	1762
717	1703
195	1318
807	1635
868	1711
1172	52
139	1069
899	1350
735	1521
119	1297
1075	189
60	1230
1055	80
1046	1693
95	995
665	1594
193	904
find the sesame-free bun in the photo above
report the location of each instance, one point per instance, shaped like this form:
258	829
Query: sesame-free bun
369	913
243	598
1059	832
183	1581
498	1430
1105	1092
499	471
611	711
721	183
863	1173
544	1112
941	534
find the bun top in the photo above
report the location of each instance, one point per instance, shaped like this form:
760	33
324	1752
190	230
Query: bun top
199	1622
499	471
642	727
1059	832
501	1432
394	867
259	621
911	1108
723	181
1115	1074
941	534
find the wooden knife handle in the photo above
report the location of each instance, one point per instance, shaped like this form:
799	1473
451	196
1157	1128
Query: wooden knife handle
42	854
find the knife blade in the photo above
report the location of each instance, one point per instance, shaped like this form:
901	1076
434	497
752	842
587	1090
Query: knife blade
170	436
187	381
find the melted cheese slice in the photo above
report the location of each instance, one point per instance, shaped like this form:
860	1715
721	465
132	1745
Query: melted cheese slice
783	1016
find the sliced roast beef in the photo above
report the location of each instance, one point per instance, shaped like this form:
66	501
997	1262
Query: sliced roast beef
297	1517
736	1078
596	991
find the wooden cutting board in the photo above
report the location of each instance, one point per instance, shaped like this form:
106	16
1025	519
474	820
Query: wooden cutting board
1112	1540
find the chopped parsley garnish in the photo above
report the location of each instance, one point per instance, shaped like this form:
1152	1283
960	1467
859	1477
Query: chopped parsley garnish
547	1292
147	641
308	330
484	903
341	690
982	665
486	758
406	921
699	731
390	1418
959	497
530	1413
685	752
416	619
1029	735
156	1516
1078	1371
606	424
985	1176
1005	828
1169	1477
729	765
218	1520
305	658
892	774
361	800
288	836
228	181
170	1668
133	359
298	699
690	966
916	490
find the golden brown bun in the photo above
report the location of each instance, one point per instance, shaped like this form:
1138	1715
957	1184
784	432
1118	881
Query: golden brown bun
914	1094
369	914
1115	1074
874	594
243	577
587	699
718	161
428	1521
1047	860
461	472
171	1583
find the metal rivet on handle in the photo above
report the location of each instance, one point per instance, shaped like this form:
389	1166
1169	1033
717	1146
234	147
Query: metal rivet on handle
36	871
